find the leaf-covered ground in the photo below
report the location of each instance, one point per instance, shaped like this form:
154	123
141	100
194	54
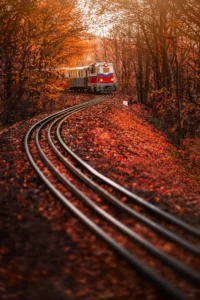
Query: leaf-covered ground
119	141
45	252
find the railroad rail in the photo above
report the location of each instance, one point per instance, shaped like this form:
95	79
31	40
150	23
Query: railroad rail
51	128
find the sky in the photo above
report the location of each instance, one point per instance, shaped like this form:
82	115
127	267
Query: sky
97	25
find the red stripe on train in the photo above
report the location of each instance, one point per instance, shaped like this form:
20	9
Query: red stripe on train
106	79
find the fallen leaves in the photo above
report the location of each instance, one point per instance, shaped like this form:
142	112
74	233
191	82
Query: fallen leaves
49	247
120	143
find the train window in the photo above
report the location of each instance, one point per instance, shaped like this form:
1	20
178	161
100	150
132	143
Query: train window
93	69
105	70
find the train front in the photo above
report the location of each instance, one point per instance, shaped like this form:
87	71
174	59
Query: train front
101	78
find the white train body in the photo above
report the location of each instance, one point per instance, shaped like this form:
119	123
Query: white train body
97	78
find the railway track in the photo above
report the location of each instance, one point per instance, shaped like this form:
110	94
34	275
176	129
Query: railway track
46	138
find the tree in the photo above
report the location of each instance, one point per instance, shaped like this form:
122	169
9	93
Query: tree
36	38
163	43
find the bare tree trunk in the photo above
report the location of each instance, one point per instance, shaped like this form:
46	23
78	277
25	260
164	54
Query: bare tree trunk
179	134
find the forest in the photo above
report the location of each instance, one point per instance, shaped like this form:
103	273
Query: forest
153	44
100	192
36	38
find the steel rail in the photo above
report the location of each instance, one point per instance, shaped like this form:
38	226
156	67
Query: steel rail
167	259
148	222
68	109
157	280
165	215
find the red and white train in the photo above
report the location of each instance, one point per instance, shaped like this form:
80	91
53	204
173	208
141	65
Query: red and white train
96	78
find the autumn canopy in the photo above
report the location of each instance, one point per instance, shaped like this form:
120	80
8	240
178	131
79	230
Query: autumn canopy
153	44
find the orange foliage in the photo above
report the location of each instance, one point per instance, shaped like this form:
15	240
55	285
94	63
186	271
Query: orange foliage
37	37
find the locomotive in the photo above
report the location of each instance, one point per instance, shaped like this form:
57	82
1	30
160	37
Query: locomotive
96	78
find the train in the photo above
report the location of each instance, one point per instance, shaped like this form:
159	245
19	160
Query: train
95	78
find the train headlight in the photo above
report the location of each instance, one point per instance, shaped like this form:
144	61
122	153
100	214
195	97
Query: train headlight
101	80
112	79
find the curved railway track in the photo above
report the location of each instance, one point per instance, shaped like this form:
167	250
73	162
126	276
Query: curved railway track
47	133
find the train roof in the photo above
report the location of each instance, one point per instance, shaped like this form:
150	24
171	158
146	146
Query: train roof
101	63
96	64
77	68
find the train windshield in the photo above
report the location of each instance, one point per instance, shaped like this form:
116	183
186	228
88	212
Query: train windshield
106	70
